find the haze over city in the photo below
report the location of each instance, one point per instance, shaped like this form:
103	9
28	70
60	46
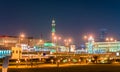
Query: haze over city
73	18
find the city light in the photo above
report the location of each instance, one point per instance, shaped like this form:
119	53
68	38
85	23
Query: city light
57	39
67	41
85	37
80	39
110	39
22	35
89	37
56	49
67	44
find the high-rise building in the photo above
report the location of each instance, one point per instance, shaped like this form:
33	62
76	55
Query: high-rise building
103	34
53	30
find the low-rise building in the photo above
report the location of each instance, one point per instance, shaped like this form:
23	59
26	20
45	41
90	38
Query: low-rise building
104	47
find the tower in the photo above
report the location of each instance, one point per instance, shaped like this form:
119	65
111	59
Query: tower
53	30
103	34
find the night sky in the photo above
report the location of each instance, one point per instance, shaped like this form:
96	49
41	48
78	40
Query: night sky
74	18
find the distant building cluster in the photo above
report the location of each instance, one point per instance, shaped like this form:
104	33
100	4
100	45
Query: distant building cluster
20	46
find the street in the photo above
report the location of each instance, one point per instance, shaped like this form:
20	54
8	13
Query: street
68	68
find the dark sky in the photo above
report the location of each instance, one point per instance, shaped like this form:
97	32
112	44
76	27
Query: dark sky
74	18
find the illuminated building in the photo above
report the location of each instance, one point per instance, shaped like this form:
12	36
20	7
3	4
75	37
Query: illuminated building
16	53
72	48
90	44
53	30
12	41
4	51
8	41
103	34
105	47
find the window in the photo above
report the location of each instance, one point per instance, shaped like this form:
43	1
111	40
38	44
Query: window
19	51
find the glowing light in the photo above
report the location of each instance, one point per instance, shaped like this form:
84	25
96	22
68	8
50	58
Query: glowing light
111	39
91	38
22	35
41	41
69	40
85	37
117	54
53	21
55	38
107	39
59	38
65	40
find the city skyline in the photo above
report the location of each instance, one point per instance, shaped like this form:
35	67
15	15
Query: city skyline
73	18
59	35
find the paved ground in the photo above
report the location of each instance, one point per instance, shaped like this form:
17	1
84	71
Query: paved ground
69	68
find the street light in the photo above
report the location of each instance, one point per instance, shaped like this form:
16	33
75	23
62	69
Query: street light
56	41
41	42
67	43
40	50
109	39
56	38
85	37
21	37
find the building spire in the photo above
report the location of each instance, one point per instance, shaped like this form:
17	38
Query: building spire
53	29
53	26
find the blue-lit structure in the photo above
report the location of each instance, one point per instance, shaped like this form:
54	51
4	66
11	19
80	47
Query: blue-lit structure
46	47
4	51
90	45
103	47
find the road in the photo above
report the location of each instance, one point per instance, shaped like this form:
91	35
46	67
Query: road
68	68
43	65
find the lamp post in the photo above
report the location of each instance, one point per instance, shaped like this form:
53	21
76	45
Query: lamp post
41	42
85	40
56	41
67	44
21	37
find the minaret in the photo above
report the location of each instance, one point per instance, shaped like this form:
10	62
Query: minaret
53	30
